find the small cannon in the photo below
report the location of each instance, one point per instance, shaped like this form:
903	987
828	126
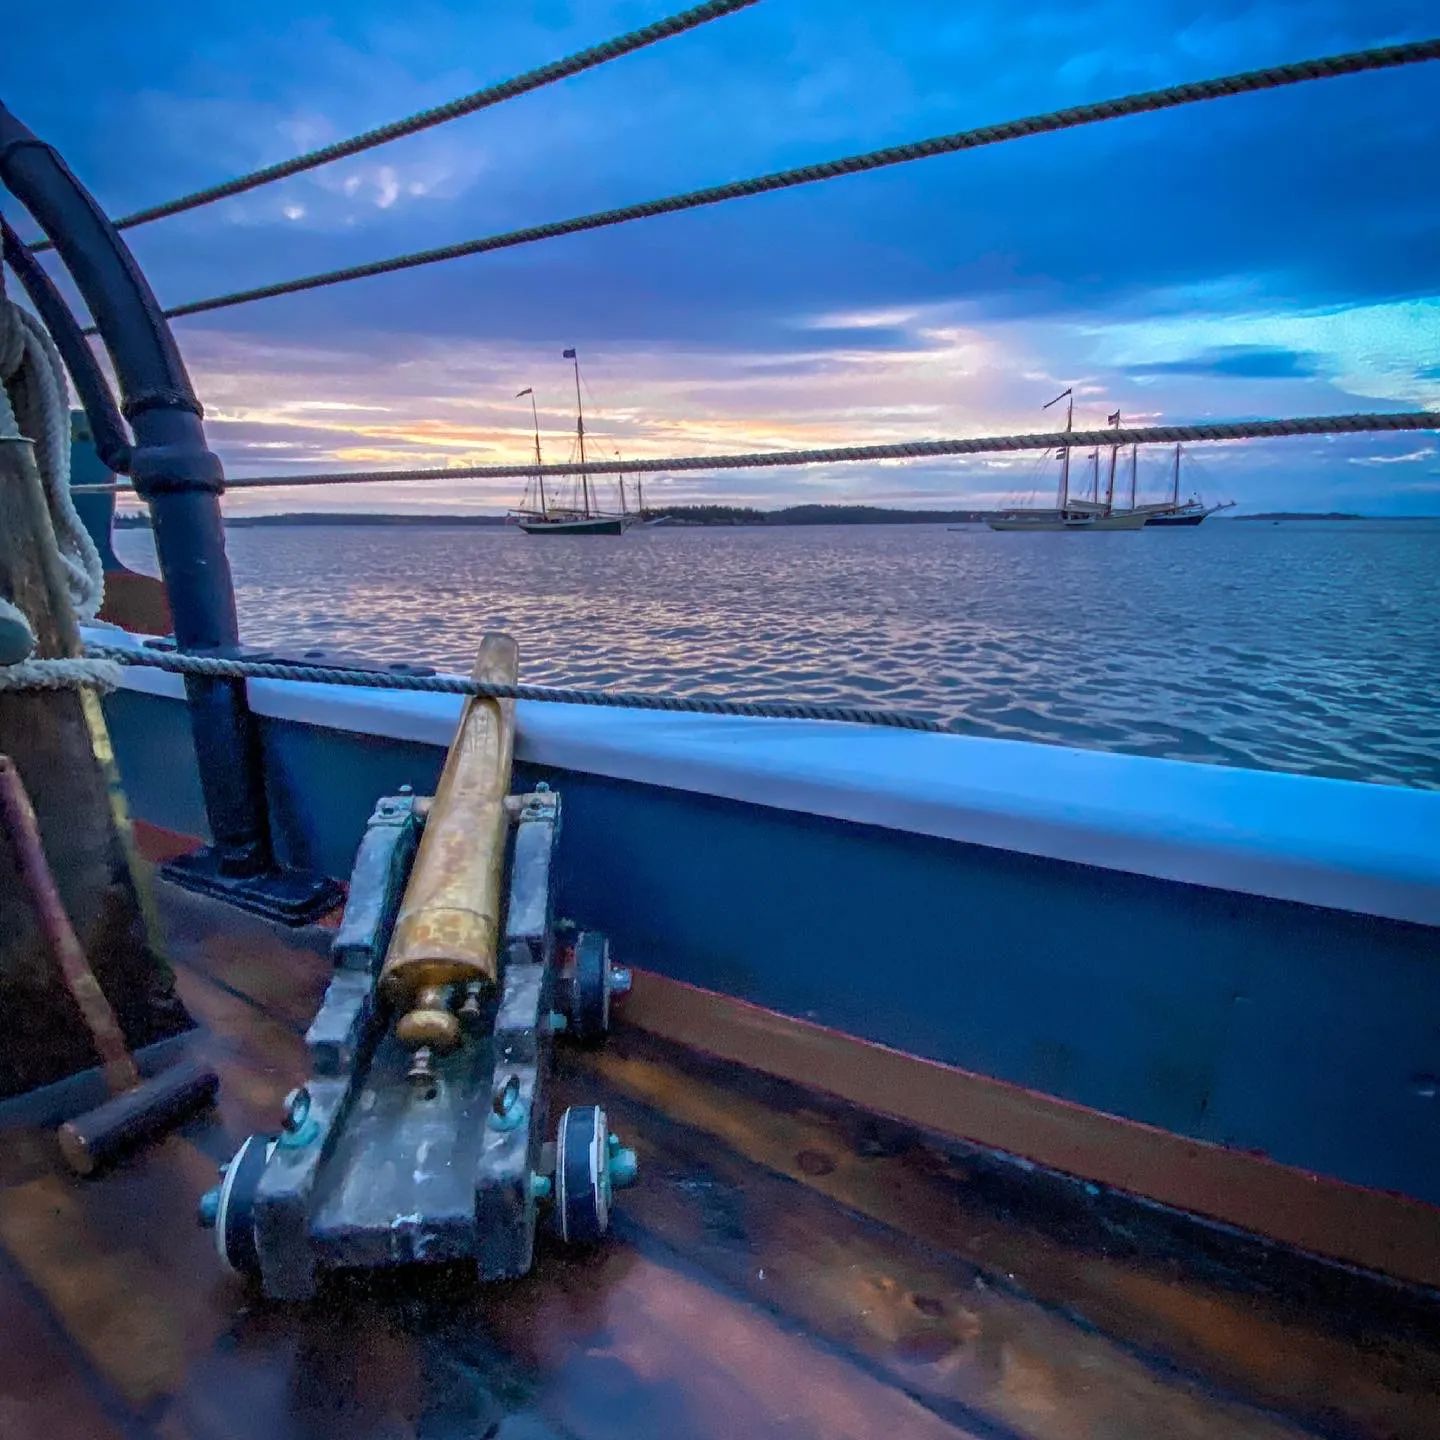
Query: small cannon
421	1133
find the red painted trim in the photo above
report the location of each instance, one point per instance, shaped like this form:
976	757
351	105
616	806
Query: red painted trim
157	844
136	602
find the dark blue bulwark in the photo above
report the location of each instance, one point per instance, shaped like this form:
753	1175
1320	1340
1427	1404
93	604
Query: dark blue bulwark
156	753
96	510
1306	1034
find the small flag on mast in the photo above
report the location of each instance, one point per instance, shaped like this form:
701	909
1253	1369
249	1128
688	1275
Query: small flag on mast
1113	419
529	390
567	354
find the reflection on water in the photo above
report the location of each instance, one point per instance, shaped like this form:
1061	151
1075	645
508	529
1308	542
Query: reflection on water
1309	647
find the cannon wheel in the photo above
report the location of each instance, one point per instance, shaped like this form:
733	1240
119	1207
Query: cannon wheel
582	1180
235	1215
592	986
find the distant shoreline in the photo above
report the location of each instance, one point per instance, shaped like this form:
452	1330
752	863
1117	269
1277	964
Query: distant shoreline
362	518
678	516
701	515
1320	515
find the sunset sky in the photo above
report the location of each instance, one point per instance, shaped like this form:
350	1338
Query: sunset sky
1269	255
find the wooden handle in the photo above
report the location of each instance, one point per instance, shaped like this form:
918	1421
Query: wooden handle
153	1106
18	817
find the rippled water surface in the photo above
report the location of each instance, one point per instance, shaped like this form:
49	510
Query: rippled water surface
1311	647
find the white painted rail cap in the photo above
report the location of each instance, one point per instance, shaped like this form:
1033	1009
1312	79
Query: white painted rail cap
1372	849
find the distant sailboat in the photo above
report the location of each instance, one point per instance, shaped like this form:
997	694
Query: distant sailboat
582	516
1173	512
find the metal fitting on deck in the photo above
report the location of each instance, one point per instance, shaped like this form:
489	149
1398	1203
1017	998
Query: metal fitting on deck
507	1110
298	1128
622	1164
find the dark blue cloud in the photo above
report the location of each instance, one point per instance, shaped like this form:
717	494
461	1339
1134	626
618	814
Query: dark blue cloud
1292	185
1245	362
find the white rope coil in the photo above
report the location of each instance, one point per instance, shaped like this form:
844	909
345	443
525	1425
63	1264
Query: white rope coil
35	405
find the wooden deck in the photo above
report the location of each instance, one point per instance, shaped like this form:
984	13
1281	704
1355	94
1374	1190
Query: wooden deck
787	1266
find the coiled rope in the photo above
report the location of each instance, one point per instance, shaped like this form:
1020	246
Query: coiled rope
218	668
1297	72
34	404
423	120
898	450
62	673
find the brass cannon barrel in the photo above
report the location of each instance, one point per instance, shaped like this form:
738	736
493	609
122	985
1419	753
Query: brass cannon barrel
447	932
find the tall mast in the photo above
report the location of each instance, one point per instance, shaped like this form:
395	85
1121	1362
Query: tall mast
1095	476
640	495
1065	466
1133	450
1114	450
1175	487
1062	496
539	463
580	433
621	478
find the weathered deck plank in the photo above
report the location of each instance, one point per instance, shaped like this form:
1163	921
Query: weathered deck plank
788	1267
1316	1353
38	1376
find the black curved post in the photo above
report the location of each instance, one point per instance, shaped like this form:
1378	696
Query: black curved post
107	429
174	470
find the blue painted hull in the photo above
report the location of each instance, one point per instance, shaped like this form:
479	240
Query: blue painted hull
603	525
1162	522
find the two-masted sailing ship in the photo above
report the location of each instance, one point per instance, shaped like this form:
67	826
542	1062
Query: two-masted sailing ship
1174	511
578	512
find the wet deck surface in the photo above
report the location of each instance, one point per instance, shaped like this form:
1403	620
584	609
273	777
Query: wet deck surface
788	1266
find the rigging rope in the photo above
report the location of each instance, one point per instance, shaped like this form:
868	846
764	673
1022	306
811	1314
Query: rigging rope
1270	78
899	450
583	60
217	667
